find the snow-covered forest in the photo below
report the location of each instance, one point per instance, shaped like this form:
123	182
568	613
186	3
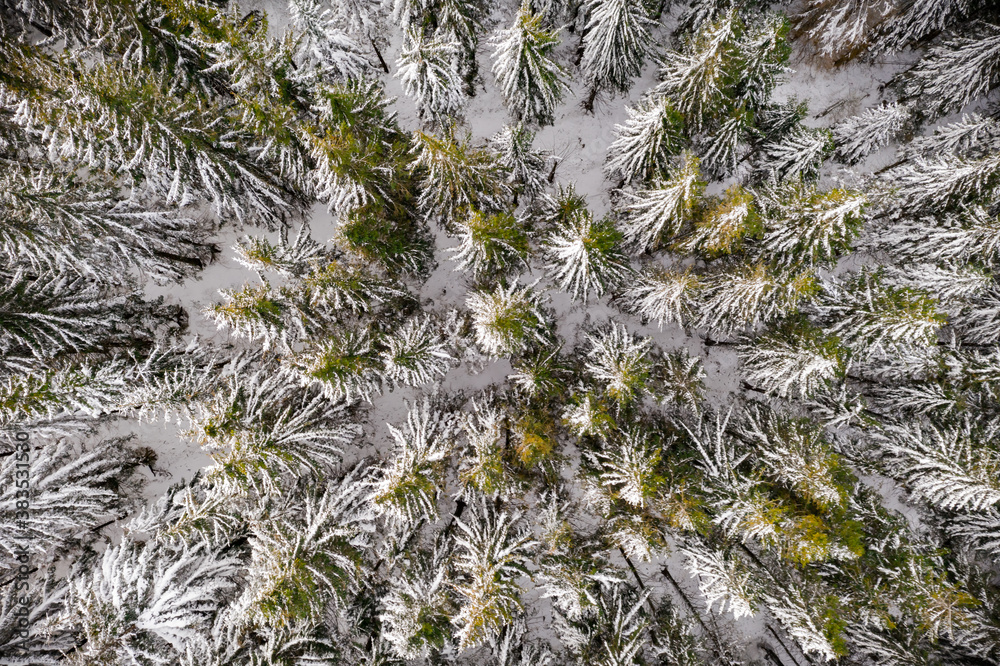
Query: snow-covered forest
597	332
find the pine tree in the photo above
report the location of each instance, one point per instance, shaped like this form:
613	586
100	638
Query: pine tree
71	491
616	43
795	361
619	361
506	320
493	554
694	80
418	606
491	244
861	135
799	154
531	82
752	294
659	213
806	225
958	71
330	45
524	165
408	489
346	366
664	296
428	71
795	614
722	580
952	467
724	226
585	255
415	353
309	555
628	466
455	176
125	619
645	143
871	317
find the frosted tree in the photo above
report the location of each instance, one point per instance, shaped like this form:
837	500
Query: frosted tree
619	361
340	286
753	294
722	228
346	366
799	154
644	145
723	580
327	42
307	556
627	465
694	79
525	165
872	317
491	244
506	320
52	221
840	28
800	362
260	314
794	452
454	176
52	313
585	256
408	489
952	467
530	80
71	489
807	225
415	353
944	181
681	379
793	612
418	606
958	71
492	556
861	135
119	611
428	72
260	426
485	467
616	42
654	215
664	296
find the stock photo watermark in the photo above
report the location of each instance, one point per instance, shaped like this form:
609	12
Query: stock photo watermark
22	497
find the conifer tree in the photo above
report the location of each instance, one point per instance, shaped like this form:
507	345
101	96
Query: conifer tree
427	69
616	43
646	142
531	82
494	549
585	255
657	214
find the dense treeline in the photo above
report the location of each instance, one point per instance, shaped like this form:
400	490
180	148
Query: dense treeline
607	498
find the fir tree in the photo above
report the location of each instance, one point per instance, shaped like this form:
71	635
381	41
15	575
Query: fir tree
531	82
493	555
645	143
506	320
427	69
585	255
659	213
408	488
616	43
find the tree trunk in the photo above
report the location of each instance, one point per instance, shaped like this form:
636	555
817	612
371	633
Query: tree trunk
588	105
378	53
